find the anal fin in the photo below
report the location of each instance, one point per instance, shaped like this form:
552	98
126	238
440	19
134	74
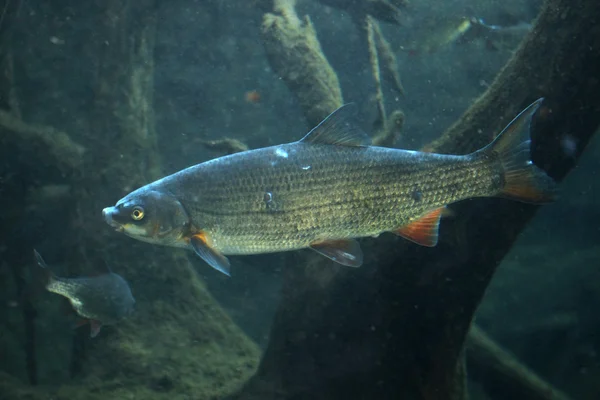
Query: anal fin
343	251
423	231
215	259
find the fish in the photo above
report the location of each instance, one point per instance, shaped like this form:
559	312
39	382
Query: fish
502	37
100	300
323	192
519	28
435	34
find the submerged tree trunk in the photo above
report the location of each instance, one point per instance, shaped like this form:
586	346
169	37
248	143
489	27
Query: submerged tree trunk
396	327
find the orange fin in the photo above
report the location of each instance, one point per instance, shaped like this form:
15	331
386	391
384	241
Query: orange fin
344	251
215	259
423	231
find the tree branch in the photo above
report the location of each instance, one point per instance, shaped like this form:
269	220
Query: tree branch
501	371
49	145
295	54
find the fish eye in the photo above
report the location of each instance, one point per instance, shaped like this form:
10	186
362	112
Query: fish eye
137	213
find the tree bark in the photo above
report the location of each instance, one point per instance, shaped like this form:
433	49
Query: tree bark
295	54
396	327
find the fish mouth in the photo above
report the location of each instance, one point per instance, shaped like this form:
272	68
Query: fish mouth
108	213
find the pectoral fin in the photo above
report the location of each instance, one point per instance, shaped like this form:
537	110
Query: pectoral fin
215	259
423	231
345	251
95	327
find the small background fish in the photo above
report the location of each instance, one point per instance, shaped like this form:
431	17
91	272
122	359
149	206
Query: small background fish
437	32
102	300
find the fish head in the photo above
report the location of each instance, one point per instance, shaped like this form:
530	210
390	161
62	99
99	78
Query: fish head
150	216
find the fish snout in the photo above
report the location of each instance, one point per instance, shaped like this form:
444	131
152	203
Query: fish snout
108	214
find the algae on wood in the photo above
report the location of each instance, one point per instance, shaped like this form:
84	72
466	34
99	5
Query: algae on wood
43	144
295	54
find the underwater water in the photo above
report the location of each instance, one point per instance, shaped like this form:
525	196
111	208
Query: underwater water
387	254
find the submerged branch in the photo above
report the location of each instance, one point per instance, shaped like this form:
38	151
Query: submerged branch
52	146
382	10
8	88
496	368
383	65
375	68
388	58
295	54
7	85
391	131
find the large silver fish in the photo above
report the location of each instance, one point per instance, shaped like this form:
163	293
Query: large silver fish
322	192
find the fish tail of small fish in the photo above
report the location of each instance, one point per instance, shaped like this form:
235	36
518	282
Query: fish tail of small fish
522	179
49	275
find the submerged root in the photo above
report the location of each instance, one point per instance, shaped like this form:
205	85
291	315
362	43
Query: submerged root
295	54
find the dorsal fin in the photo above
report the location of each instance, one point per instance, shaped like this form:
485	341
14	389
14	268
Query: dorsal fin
338	129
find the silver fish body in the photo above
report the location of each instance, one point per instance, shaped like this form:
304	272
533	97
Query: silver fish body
289	196
322	192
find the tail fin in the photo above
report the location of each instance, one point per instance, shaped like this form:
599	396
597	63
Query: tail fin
49	276
523	181
38	258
